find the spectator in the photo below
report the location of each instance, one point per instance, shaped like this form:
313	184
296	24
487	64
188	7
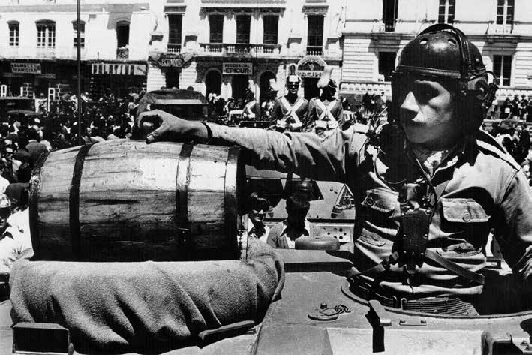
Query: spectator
15	237
34	147
506	109
516	108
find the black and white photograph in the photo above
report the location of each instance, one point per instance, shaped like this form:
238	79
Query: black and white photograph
265	177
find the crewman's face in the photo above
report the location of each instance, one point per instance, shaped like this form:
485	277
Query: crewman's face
257	215
296	216
426	111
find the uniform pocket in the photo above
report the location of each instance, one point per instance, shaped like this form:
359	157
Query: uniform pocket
463	210
380	200
377	209
468	223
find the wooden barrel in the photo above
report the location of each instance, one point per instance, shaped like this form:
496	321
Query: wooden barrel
125	200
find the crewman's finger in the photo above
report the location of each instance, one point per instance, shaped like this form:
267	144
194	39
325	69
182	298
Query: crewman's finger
156	134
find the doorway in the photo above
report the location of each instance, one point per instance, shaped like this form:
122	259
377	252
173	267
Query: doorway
172	78
240	84
265	84
310	86
213	82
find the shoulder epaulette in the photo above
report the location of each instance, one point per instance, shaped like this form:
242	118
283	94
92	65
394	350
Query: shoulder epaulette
487	143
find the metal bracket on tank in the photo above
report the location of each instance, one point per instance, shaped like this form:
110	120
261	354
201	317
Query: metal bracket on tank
184	242
183	237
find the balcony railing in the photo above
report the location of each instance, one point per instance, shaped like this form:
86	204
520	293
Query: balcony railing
212	47
495	29
238	48
173	48
267	48
244	2
389	26
314	50
122	53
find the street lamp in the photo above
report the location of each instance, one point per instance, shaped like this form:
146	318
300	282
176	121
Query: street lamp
78	60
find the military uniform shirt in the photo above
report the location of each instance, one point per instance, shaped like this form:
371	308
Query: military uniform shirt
484	189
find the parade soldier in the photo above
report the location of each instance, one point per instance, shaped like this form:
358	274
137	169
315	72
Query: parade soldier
289	111
251	107
429	186
324	111
269	102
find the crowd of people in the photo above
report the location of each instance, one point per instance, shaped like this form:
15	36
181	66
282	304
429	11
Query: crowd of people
519	108
24	136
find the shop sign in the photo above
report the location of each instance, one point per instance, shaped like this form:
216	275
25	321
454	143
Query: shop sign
26	68
310	67
237	68
170	61
118	69
309	73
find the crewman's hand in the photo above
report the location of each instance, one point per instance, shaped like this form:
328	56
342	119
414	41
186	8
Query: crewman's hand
159	125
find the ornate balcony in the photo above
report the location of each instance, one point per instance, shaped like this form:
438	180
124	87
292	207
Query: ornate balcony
240	49
314	50
267	48
243	3
173	48
389	26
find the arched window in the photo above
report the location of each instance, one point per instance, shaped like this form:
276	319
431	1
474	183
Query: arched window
45	34
81	33
14	33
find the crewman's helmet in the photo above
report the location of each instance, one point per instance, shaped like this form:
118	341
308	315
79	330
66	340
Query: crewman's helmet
443	52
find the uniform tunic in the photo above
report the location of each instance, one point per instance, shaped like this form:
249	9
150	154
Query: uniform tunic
289	114
484	189
324	114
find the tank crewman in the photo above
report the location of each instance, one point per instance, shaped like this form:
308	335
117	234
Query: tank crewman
258	207
429	186
324	111
296	225
289	111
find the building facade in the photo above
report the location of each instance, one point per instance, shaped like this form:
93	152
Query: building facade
377	30
226	47
38	46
